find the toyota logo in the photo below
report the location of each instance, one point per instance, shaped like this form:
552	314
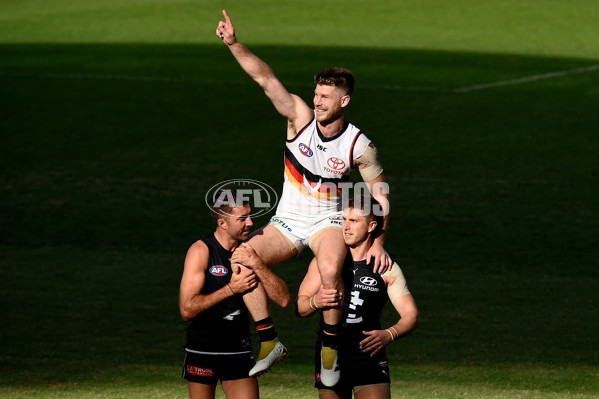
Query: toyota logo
368	281
336	163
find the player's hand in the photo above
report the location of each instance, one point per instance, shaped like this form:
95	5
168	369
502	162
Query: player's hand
245	255
382	260
243	279
375	341
328	298
226	30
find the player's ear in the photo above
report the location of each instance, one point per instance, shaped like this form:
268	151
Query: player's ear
345	100
372	226
222	223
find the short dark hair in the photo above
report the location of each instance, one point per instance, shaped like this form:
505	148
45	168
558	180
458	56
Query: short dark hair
223	203
338	77
368	205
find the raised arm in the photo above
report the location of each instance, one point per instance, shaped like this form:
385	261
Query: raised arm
191	302
292	107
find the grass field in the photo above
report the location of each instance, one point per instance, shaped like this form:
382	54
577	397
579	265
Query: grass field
116	117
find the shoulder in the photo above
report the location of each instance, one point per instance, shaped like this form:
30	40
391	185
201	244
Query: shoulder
360	144
198	253
199	245
303	113
394	271
397	285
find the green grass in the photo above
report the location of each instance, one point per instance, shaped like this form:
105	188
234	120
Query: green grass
116	117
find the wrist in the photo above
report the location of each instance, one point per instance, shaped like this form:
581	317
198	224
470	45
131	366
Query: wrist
232	292
313	304
393	337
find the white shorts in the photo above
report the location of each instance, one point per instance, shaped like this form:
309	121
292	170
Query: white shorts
301	231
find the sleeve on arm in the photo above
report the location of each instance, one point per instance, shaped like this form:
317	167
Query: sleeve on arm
399	287
360	146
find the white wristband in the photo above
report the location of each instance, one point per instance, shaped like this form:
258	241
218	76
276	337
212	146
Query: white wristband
390	333
312	299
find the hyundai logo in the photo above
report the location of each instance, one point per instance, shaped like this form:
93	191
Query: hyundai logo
370	281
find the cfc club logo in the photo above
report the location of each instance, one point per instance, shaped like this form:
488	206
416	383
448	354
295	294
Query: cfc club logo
234	193
369	281
218	270
305	150
336	163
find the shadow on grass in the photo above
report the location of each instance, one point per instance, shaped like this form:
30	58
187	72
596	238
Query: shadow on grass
108	151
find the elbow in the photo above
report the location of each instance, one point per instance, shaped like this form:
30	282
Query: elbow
284	301
281	296
300	313
296	309
185	317
185	314
416	321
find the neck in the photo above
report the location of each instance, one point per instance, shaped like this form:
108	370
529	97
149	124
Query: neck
332	128
225	240
359	251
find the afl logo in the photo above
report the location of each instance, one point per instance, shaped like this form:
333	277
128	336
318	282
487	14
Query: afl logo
218	270
369	281
305	150
336	163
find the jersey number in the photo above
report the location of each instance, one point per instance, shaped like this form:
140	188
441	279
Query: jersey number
353	305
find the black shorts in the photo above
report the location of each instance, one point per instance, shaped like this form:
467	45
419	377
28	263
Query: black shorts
355	371
209	368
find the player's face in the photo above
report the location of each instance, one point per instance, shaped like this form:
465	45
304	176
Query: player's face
239	223
329	102
356	226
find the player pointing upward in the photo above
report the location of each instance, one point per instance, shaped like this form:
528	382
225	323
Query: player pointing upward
322	150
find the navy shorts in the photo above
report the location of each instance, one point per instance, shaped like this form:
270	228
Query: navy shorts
209	368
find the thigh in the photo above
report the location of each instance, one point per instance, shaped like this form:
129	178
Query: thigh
331	394
246	388
375	391
201	391
271	245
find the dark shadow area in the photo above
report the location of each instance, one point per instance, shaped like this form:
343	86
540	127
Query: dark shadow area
108	151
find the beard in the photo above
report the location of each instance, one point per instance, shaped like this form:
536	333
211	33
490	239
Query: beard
330	116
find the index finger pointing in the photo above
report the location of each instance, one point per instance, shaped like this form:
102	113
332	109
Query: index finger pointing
227	19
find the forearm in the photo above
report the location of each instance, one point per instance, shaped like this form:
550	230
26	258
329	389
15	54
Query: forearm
379	189
380	238
405	325
305	306
275	287
198	304
257	69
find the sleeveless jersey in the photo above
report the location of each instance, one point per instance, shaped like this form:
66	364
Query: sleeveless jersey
224	328
365	298
315	165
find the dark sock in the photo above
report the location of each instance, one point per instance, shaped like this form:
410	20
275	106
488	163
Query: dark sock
266	329
330	335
